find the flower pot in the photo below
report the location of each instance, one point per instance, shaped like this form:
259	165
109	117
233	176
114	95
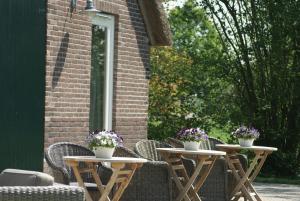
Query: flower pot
104	152
191	145
246	142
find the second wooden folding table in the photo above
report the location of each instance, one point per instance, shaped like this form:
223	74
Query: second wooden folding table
189	187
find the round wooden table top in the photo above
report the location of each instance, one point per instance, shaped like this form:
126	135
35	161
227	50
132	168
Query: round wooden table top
191	152
238	147
111	160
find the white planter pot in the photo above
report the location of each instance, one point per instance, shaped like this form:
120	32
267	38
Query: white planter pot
190	145
104	152
246	142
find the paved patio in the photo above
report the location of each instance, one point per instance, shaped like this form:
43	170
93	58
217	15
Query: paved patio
278	192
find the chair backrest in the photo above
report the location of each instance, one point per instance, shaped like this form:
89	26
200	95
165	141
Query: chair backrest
55	153
147	149
174	142
213	141
207	145
125	152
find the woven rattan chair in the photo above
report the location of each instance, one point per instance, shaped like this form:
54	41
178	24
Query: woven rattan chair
147	149
41	193
23	185
150	182
61	172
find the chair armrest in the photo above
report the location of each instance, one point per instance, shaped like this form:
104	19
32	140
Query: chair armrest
156	171
244	160
39	193
215	186
104	173
60	174
150	169
231	179
189	165
150	182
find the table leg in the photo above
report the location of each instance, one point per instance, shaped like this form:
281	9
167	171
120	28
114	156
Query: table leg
189	184
192	192
187	189
115	168
205	174
96	177
125	180
175	164
79	179
244	179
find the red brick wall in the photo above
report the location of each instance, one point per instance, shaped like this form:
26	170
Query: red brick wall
68	71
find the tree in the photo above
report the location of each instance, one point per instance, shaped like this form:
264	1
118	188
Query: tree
188	85
262	43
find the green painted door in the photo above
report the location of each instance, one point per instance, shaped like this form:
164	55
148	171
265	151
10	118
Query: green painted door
22	83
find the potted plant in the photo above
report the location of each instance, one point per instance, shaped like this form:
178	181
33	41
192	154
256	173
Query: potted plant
103	143
192	137
246	136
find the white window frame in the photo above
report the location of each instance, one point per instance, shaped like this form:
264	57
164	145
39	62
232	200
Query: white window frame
107	21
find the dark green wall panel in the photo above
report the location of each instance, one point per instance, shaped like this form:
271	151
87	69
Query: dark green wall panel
22	83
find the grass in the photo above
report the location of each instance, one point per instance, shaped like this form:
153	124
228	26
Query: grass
274	180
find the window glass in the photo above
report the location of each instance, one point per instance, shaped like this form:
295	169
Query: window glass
97	88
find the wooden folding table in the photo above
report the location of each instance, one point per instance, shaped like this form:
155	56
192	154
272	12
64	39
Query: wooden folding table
244	187
188	186
123	169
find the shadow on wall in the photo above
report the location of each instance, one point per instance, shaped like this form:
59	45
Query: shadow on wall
60	59
142	44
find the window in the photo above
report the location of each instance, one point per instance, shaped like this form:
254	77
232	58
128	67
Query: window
101	89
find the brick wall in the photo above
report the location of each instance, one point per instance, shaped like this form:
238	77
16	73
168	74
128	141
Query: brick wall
68	71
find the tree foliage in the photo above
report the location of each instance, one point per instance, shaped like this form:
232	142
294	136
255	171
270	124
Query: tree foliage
233	62
188	86
263	46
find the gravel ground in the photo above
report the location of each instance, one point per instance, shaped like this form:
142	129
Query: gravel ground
277	192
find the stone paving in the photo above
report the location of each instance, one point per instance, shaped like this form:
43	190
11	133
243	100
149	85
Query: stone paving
277	192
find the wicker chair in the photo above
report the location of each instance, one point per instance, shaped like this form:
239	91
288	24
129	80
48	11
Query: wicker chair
150	182
23	185
41	193
147	149
61	172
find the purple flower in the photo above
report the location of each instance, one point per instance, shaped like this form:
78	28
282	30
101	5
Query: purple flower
104	139
192	134
245	132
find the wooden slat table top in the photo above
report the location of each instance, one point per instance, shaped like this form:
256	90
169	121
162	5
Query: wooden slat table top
198	152
238	147
111	160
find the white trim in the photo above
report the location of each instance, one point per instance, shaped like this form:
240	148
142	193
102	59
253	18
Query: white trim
107	21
